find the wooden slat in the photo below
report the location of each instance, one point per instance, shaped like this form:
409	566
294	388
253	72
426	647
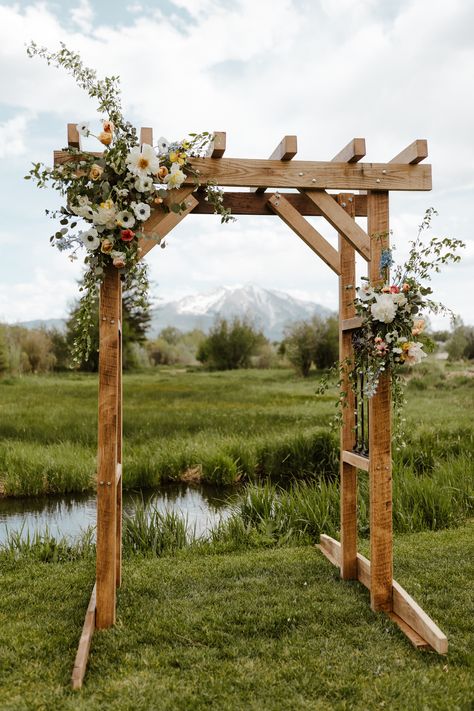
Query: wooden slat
416	640
61	157
307	232
240	172
356	460
341	221
348	472
380	435
352	153
118	474
80	663
109	356
286	150
160	223
146	136
119	481
73	136
417	624
414	153
409	610
218	145
253	203
349	324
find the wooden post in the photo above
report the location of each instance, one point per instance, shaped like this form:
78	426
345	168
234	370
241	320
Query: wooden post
348	472
380	434
118	543
109	361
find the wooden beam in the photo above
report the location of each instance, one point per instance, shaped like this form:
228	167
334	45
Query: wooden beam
241	172
349	324
73	136
253	203
341	221
237	172
414	153
218	145
118	477
418	626
352	153
109	360
161	223
80	663
380	434
146	136
348	472
307	232
411	613
286	150
356	460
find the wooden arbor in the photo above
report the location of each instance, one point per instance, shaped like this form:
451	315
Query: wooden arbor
365	447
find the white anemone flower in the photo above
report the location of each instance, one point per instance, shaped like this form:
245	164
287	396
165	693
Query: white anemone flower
144	185
163	146
142	162
365	292
399	299
125	219
83	128
384	308
175	177
142	211
90	239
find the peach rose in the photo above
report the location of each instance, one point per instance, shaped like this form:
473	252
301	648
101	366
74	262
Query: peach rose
105	137
119	262
106	246
163	172
108	126
418	327
95	172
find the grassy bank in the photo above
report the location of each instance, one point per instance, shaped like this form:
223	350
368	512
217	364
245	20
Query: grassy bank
270	629
221	427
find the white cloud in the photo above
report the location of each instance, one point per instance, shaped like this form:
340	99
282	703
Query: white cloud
83	15
13	135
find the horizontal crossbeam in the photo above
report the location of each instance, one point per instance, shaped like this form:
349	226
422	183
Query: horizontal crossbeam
253	203
241	172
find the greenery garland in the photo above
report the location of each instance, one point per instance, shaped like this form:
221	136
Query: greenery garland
114	193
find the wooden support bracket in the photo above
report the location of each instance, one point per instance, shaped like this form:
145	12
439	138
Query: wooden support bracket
417	626
218	145
356	460
80	663
160	223
307	232
341	221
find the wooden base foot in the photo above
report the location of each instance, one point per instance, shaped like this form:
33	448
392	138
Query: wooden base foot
420	629
82	656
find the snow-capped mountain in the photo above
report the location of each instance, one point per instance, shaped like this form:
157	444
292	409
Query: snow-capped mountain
270	310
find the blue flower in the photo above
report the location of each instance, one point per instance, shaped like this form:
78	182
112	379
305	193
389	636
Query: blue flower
386	259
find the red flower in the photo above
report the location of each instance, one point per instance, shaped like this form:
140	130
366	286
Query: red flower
394	290
127	235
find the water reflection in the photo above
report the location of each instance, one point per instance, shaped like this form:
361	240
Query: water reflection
203	506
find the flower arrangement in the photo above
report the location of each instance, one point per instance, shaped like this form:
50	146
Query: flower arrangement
109	196
392	310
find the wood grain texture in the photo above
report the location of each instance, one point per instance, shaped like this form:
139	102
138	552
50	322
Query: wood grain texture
348	472
414	153
161	223
119	480
218	145
286	150
82	656
306	232
380	434
109	359
356	460
239	172
341	220
253	203
146	136
73	136
352	153
349	324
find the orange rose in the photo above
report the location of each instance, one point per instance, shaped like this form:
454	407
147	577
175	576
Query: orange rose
105	137
119	262
108	126
106	246
163	172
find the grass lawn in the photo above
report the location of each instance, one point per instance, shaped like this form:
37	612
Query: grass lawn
271	629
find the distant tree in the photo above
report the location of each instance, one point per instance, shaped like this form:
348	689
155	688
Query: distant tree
38	348
171	335
461	343
4	354
230	344
60	349
313	341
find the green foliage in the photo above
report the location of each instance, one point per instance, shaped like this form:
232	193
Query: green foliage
461	343
152	532
230	344
312	342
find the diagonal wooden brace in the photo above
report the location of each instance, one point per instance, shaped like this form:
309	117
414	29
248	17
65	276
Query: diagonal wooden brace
160	223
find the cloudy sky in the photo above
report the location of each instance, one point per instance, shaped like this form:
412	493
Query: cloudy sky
325	70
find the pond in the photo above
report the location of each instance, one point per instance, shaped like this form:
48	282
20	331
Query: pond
202	506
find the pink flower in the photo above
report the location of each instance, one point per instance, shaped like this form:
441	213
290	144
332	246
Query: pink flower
119	262
394	290
127	235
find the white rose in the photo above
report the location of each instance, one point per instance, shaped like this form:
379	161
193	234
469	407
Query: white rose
384	308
